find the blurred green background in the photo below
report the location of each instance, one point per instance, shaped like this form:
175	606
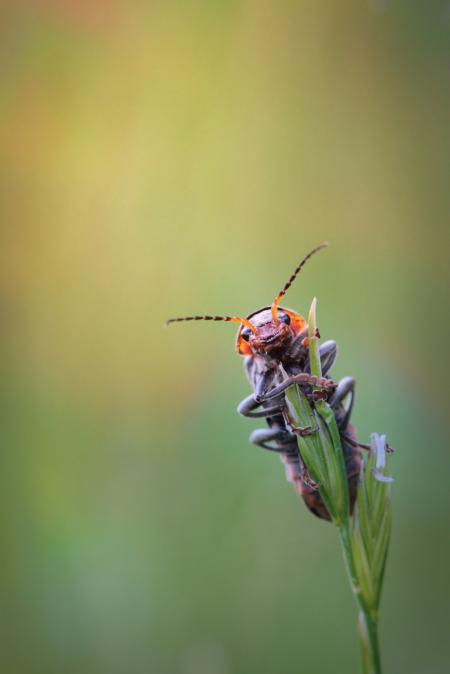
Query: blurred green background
164	158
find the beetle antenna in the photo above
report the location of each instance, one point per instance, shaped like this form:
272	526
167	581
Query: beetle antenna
282	293
229	319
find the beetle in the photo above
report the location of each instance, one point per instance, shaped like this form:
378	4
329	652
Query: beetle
274	344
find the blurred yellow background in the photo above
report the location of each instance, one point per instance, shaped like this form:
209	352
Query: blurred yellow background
167	158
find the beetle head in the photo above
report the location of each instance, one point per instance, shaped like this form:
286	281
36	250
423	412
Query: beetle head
268	336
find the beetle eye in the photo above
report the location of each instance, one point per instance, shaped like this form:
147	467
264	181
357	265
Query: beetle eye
245	334
285	318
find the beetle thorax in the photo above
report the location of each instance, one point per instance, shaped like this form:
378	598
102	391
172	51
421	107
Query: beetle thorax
262	318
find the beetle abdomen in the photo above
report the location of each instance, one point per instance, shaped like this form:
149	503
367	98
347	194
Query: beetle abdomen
295	473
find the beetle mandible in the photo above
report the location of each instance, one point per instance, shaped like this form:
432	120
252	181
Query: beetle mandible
274	344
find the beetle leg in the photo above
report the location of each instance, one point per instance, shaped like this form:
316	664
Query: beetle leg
247	406
263	436
286	446
297	473
304	431
344	388
327	353
303	378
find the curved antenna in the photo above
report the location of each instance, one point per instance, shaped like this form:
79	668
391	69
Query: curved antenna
229	319
282	293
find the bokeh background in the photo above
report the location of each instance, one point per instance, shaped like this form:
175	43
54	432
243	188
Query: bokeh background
164	158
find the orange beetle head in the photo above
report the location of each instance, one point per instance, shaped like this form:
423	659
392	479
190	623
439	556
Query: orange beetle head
269	336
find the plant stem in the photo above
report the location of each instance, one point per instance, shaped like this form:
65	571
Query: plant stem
364	534
367	620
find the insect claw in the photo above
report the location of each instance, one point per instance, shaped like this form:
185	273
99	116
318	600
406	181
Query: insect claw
319	395
308	481
304	431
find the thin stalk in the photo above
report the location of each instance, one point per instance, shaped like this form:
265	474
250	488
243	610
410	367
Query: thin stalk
367	620
364	535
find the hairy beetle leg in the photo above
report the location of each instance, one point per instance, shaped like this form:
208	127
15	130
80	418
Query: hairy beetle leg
304	431
296	470
318	395
327	353
302	379
247	406
307	479
263	436
355	443
344	388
